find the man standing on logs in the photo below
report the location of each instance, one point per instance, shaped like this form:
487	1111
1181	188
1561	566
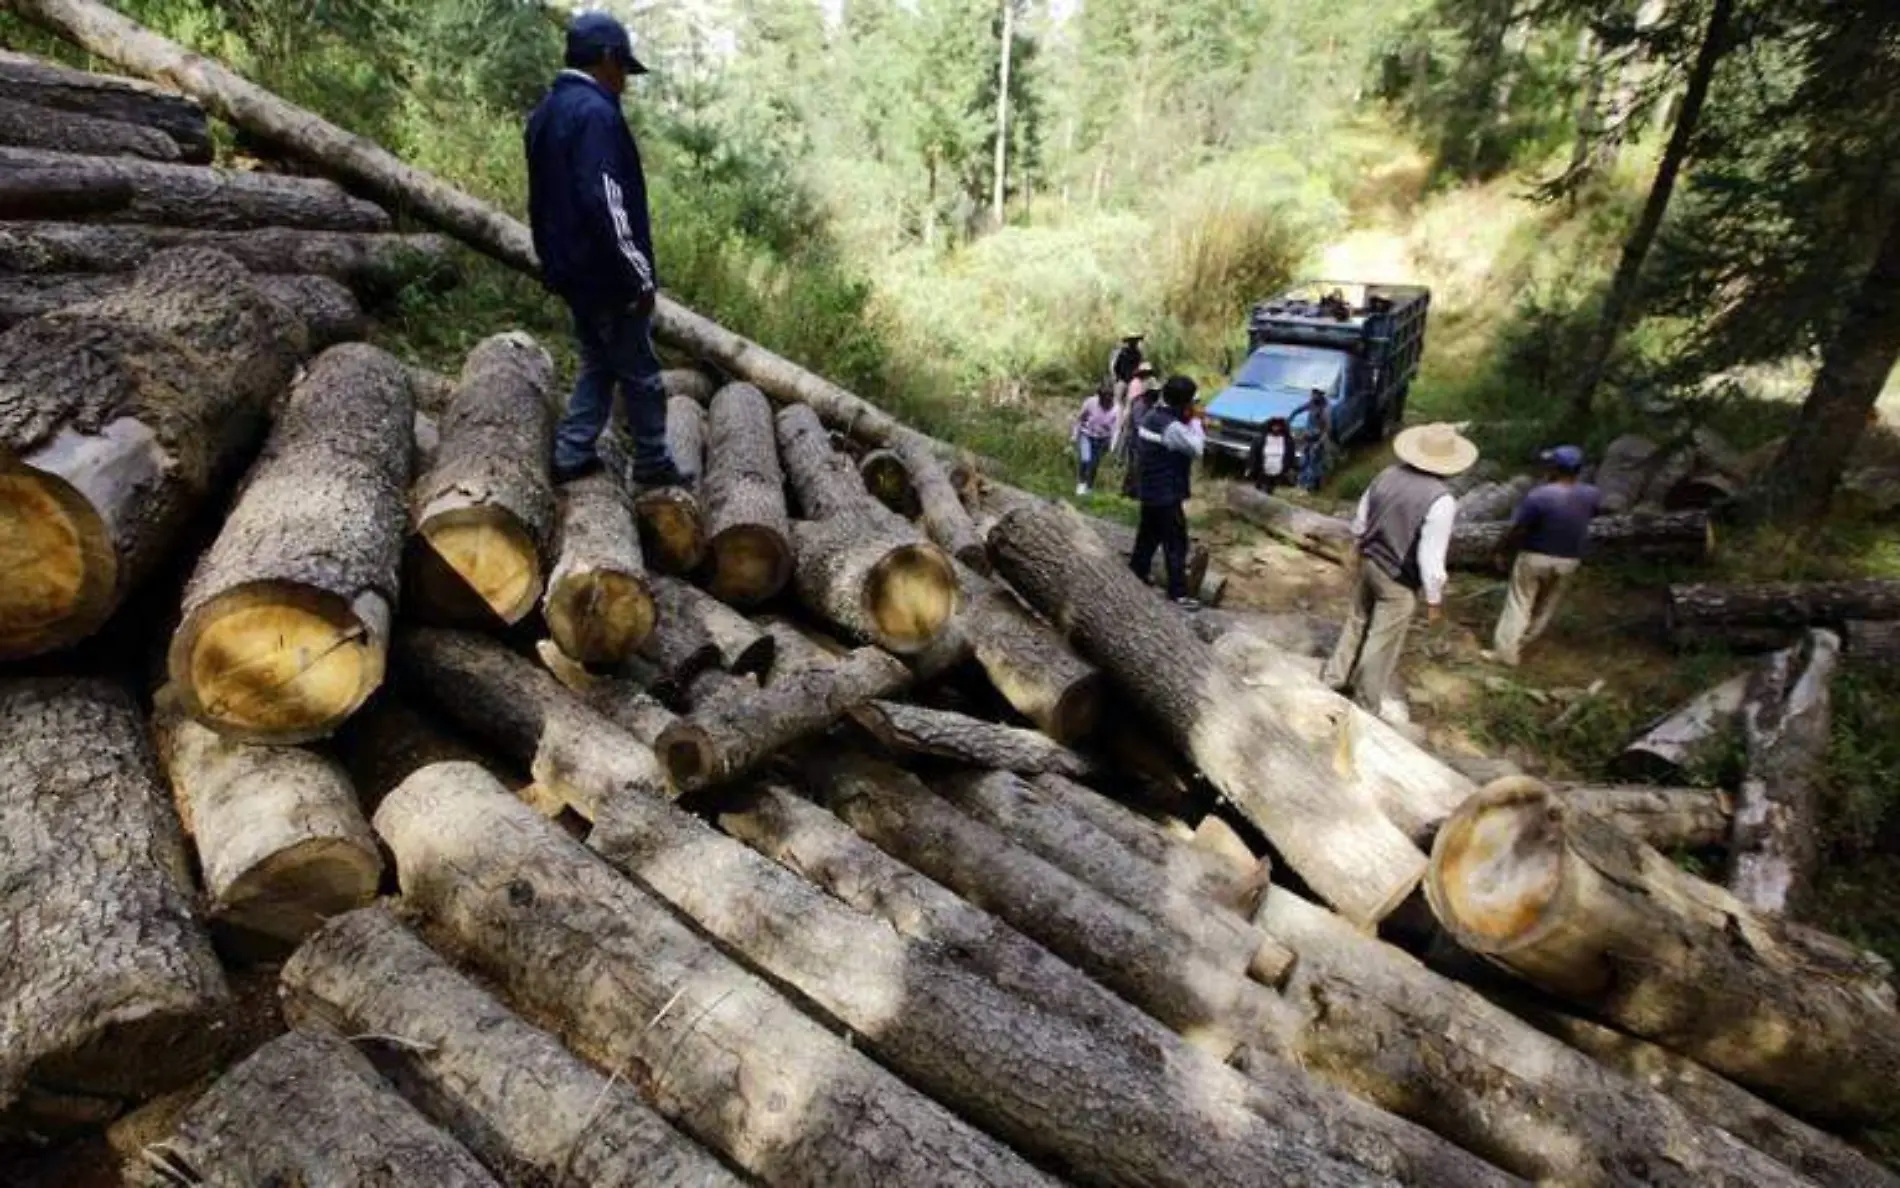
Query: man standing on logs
1403	532
1167	441
587	200
1547	534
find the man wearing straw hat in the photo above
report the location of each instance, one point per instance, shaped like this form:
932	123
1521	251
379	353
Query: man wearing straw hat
1403	529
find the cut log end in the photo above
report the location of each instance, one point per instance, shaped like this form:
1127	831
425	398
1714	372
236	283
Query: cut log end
484	552
672	535
600	617
909	596
278	662
687	753
290	894
1075	713
749	565
60	564
1498	865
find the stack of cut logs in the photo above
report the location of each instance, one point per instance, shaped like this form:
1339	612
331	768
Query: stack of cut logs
770	831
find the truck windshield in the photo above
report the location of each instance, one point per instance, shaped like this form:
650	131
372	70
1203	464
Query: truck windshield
1299	368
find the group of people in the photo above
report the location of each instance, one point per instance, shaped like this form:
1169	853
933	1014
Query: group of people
1108	422
1279	457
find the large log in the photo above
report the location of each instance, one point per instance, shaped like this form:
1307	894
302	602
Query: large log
108	985
943	515
1670	746
328	311
482	515
1687	537
49	193
1337	839
28	125
1296	633
1624	472
1666	818
1037	673
108	97
599	605
1786	722
741	646
1489	502
1375	1021
530	1110
1322	535
672	529
119	419
824	483
1232	880
942	734
374	264
198	196
286	620
1580	910
527	716
888	480
731	737
306	1108
742	491
280	836
625	983
1711	611
615	698
1872	645
389	740
876	579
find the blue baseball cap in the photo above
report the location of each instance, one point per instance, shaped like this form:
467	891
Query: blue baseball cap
1567	458
590	34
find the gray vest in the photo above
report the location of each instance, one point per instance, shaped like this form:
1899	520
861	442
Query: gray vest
1396	507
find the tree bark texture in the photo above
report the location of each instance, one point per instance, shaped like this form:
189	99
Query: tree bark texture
1872	645
107	97
615	698
280	835
1296	633
1787	724
1233	881
731	737
286	620
888	480
1338	840
1666	818
611	969
1322	535
742	492
391	738
328	311
1043	826
482	516
526	715
39	193
1026	661
944	518
672	528
108	984
1712	611
599	606
122	417
1489	502
1685	537
942	734
1578	909
1376	1022
741	646
307	1109
824	483
201	196
28	125
1677	741
1624	473
528	1108
1126	1118
871	575
371	264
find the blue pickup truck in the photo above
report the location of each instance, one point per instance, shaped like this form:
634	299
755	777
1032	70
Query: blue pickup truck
1358	344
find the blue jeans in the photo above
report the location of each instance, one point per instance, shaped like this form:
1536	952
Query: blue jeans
616	346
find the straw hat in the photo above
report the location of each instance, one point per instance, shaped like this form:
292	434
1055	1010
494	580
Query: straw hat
1435	449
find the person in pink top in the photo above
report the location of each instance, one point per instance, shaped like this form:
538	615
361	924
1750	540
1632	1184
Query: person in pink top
1094	430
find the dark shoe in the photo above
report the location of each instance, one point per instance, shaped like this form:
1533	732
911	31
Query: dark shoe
567	474
667	475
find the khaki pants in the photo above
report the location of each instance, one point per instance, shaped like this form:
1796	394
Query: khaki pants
1373	638
1537	585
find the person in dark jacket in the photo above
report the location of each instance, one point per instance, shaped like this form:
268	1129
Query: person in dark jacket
1169	439
587	202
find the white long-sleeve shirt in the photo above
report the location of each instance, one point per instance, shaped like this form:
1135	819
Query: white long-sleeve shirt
1182	437
1434	543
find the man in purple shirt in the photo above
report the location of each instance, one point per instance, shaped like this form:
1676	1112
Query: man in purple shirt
1547	535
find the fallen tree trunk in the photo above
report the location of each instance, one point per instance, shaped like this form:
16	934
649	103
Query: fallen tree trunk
625	983
1623	472
1378	1023
1233	881
28	125
1666	818
200	196
1786	722
1678	740
525	715
286	620
1296	633
912	729
1337	840
672	529
674	657
108	97
529	1109
1490	502
483	514
739	644
374	264
48	193
620	701
1040	824
1710	611
307	1109
281	839
1582	911
1685	537
599	606
1026	662
1872	645
732	737
119	419
874	579
109	986
888	480
1315	532
944	519
748	533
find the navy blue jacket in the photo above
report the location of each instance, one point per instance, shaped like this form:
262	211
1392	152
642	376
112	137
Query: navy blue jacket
587	196
1165	476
